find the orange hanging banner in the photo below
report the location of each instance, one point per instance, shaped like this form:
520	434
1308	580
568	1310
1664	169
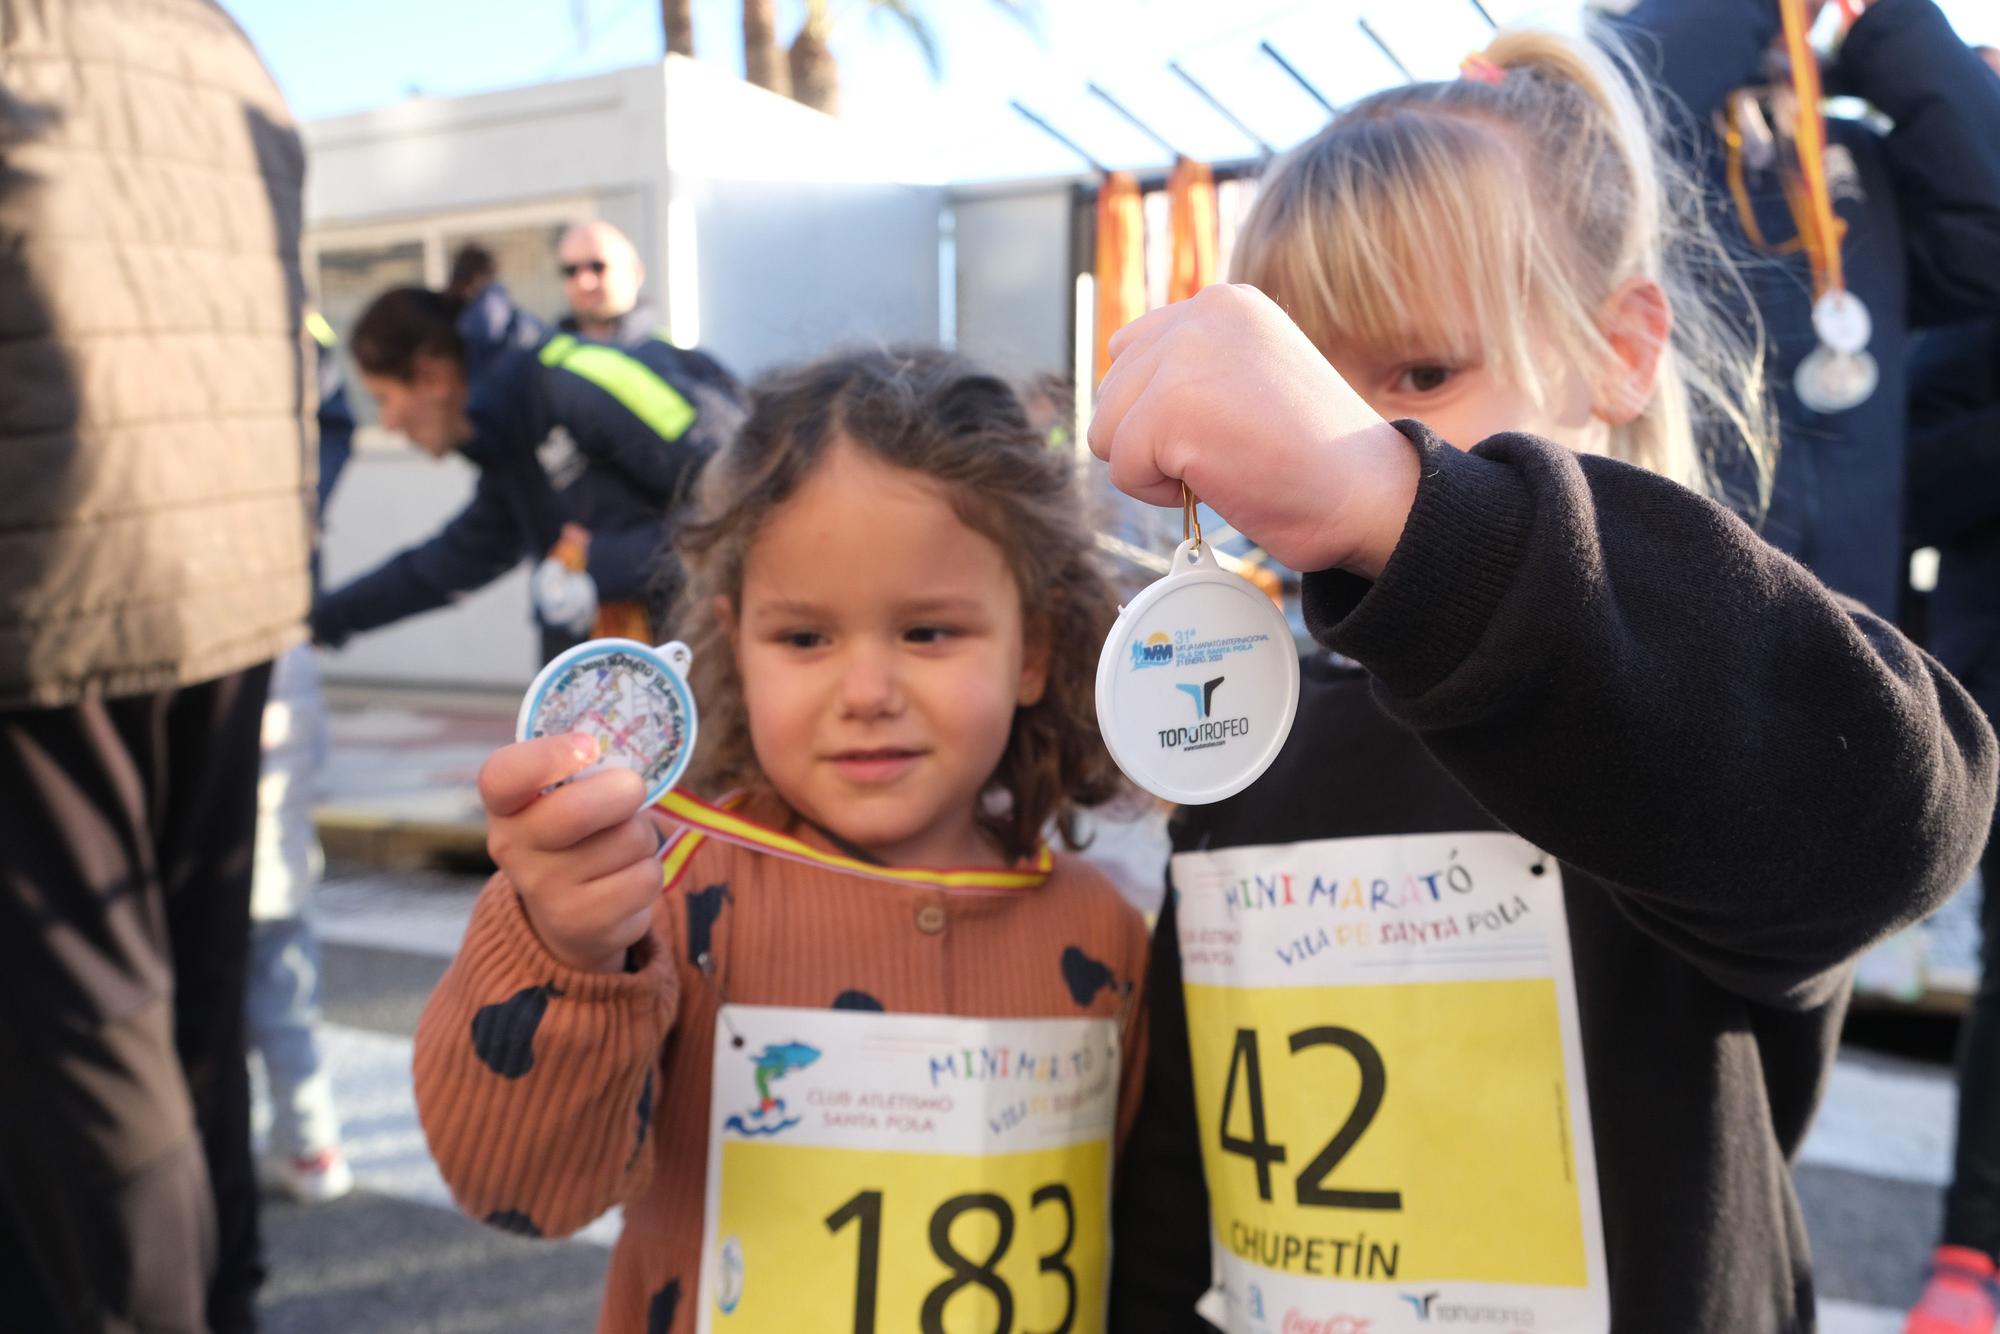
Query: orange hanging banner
1191	208
1121	261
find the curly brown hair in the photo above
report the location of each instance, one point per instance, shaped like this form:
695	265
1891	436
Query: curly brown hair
936	414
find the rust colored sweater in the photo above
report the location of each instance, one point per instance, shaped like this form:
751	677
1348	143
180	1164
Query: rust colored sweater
549	1095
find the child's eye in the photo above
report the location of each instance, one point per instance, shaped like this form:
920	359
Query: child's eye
928	634
802	639
1426	378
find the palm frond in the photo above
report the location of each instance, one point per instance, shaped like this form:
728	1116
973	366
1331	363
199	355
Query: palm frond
919	29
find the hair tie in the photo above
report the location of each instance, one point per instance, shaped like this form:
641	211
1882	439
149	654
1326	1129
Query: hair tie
1479	69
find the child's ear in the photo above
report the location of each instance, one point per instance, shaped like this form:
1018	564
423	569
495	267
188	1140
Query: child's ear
725	616
1034	666
1637	321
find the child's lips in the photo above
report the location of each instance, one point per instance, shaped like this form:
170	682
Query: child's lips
879	764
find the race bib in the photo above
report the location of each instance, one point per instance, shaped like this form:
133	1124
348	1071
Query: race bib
883	1172
1389	1080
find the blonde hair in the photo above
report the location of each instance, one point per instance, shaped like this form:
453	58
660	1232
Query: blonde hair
1531	193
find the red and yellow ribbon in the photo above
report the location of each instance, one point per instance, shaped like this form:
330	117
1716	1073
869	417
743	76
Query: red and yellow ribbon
702	820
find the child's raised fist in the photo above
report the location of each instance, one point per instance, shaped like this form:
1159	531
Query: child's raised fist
584	858
1222	391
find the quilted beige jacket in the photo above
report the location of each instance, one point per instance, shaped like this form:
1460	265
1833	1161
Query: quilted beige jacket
155	428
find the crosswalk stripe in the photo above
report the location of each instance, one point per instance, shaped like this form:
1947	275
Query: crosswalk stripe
1887	1121
1850	1318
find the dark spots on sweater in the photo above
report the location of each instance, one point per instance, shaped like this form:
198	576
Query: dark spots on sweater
504	1033
660	1311
514	1221
856	1000
1085	975
703	907
645	1119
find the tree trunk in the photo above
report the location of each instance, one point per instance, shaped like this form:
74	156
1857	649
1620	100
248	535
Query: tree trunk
815	74
763	61
677	20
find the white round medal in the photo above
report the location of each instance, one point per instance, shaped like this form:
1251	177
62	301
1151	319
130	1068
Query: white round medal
1198	682
1841	321
633	698
1828	381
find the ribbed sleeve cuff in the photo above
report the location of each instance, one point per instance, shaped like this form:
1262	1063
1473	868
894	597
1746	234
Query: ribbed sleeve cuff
1458	556
534	1080
328	627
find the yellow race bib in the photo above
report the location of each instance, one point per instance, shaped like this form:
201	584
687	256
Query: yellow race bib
1389	1081
882	1173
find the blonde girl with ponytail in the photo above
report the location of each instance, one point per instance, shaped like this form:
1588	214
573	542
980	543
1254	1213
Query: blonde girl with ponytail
1503	998
1517	225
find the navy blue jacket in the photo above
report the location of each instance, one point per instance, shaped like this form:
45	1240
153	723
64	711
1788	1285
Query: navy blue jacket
1922	247
490	324
1954	501
555	445
336	437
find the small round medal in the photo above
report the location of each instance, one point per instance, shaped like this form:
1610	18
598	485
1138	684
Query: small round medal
1198	682
1841	321
633	698
1828	381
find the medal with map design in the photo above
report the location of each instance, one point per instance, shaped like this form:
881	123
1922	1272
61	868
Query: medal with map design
633	698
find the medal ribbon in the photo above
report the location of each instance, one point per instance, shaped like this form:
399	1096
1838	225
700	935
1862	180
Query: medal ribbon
703	820
1808	195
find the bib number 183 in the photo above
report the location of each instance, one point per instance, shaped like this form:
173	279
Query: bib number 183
863	1213
890	1243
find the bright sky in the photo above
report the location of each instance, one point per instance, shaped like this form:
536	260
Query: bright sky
336	58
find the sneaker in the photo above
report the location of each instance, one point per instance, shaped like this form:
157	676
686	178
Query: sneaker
1962	1296
313	1179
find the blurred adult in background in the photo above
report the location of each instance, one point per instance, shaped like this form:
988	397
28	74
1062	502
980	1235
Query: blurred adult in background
303	1158
1954	505
602	276
155	488
1920	204
488	322
585	453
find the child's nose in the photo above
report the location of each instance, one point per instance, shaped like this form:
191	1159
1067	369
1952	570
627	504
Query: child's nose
868	687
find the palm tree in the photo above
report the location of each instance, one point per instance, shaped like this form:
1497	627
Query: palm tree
816	74
763	63
677	21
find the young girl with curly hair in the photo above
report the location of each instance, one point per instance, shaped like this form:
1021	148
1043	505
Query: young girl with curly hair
869	1056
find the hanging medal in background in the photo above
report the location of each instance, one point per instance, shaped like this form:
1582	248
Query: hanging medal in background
1840	373
632	697
1199	679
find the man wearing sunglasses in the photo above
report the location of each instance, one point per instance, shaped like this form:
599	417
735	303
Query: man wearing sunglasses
602	276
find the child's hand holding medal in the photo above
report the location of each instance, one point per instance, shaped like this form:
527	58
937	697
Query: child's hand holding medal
1223	396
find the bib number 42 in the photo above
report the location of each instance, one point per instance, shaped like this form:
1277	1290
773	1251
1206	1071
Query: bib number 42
1246	1068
